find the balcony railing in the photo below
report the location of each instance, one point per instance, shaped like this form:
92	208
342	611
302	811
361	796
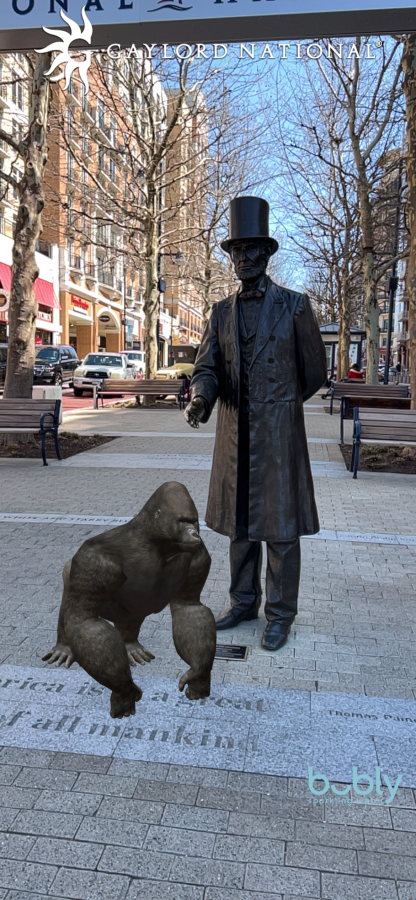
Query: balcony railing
404	316
106	277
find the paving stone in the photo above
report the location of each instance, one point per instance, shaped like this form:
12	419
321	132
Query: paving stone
202	777
113	785
264	784
313	856
283	880
52	824
7	816
139	810
387	865
262	826
212	893
112	831
166	792
207	872
140	865
347	836
346	887
86	885
404	819
378	839
18	797
200	819
66	853
81	762
180	841
69	802
160	890
15	846
249	849
139	769
406	890
26	876
8	774
20	757
45	778
215	798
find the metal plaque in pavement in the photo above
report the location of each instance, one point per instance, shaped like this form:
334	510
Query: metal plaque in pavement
231	651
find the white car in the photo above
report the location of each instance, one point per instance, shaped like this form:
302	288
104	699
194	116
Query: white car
97	366
136	358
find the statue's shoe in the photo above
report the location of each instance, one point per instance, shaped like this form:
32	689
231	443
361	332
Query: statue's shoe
275	635
234	616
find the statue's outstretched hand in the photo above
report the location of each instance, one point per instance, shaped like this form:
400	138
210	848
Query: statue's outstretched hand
194	412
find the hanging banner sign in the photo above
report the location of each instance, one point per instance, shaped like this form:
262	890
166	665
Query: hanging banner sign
189	21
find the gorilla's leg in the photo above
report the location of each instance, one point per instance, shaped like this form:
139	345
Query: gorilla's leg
96	645
135	651
62	652
194	631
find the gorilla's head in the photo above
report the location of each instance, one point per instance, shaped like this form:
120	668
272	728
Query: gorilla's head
173	519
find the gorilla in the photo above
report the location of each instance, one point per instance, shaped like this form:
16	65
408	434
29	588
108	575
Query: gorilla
126	574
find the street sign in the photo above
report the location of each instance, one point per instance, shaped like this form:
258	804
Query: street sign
184	22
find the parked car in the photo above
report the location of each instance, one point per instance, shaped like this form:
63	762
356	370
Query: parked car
136	358
178	370
3	364
55	365
97	366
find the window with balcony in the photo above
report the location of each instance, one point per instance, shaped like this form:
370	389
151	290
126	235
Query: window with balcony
100	113
112	171
17	90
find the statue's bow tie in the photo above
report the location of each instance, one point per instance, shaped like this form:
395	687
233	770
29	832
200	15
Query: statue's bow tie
249	295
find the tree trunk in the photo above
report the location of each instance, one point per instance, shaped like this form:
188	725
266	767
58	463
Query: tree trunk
23	304
344	329
151	304
371	319
409	87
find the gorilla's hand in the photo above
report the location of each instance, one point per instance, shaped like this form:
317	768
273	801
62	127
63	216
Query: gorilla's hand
198	684
137	653
123	703
194	412
60	654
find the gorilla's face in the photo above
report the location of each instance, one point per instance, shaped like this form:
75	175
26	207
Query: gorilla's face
178	531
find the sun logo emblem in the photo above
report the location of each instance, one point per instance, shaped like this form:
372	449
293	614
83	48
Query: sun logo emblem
64	58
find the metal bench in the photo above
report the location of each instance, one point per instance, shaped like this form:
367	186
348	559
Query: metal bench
377	426
31	417
143	388
375	396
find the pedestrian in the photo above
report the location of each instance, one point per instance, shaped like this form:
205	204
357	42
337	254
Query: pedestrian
356	372
261	357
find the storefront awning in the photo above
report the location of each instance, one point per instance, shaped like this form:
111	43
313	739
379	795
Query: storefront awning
44	291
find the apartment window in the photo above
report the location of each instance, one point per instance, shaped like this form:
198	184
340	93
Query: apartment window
17	175
101	159
112	170
17	91
101	112
71	253
101	234
113	130
70	168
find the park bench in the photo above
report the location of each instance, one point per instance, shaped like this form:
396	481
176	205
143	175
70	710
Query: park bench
31	417
378	426
380	396
143	388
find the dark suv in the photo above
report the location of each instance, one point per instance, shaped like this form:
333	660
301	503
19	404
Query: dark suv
55	365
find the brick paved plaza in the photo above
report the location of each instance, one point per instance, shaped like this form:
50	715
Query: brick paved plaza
210	800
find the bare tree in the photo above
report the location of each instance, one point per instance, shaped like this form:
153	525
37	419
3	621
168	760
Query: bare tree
409	85
33	151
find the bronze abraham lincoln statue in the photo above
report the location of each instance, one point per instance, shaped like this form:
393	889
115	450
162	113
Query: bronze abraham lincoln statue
261	357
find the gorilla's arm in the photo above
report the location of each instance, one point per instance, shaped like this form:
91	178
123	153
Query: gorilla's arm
193	627
135	651
94	577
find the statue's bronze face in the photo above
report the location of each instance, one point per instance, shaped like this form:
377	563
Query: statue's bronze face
250	258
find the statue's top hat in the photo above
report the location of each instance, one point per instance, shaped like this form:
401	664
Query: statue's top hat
249	219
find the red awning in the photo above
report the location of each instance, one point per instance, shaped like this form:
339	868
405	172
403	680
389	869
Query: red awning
6	277
45	294
44	291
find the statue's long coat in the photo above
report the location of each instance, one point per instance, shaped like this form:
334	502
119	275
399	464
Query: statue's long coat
288	366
